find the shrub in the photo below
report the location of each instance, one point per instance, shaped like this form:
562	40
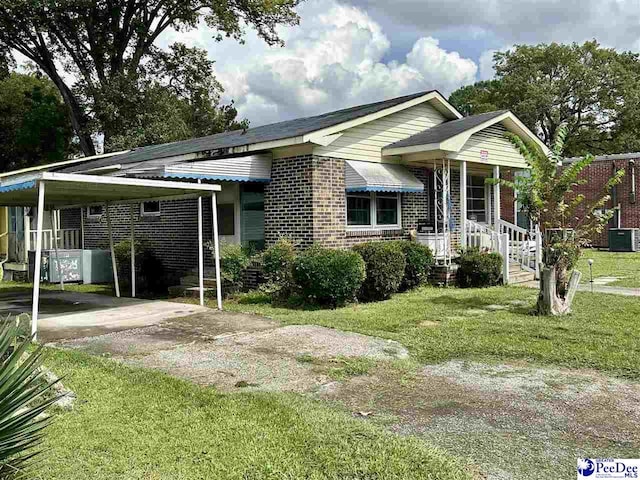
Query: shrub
277	267
385	265
150	273
234	260
419	260
478	268
328	277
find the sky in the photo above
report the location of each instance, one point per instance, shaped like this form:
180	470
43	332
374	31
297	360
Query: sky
351	52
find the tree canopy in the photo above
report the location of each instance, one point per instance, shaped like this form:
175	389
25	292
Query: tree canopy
594	91
34	122
102	57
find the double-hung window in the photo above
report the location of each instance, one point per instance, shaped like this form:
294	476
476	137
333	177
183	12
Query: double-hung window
374	210
476	199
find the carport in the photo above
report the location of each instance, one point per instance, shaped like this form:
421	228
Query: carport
48	191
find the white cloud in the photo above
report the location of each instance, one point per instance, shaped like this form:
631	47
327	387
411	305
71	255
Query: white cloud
334	59
614	23
487	72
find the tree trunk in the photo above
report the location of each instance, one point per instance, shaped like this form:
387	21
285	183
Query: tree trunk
550	301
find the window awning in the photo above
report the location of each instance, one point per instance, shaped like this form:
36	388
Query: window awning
251	168
380	177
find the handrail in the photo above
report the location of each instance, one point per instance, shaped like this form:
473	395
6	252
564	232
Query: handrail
523	243
68	239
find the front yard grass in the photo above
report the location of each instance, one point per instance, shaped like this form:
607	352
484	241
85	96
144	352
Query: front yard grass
442	324
131	423
625	266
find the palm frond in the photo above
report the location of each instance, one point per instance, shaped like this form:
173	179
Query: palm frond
22	402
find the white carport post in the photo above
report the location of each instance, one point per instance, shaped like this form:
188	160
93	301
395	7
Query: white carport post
200	251
53	218
37	263
216	248
113	254
133	252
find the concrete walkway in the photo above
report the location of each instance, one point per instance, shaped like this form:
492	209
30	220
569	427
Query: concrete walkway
629	292
75	315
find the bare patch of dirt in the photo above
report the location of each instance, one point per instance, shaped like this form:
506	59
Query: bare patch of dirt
514	420
234	351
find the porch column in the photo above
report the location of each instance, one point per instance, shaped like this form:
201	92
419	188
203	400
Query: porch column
38	260
463	203
496	197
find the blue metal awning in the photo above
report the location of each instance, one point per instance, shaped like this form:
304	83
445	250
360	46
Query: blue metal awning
380	177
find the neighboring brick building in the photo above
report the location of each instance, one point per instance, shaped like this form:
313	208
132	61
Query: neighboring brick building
623	200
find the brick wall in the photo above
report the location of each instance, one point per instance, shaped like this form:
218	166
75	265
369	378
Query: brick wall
288	201
596	176
173	235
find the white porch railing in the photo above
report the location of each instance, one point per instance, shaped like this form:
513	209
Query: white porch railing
68	239
515	244
523	244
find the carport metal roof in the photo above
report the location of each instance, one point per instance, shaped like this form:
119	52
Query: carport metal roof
47	191
74	190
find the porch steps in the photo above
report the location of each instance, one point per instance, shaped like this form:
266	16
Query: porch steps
189	284
518	275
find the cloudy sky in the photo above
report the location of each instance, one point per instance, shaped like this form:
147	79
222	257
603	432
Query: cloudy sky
349	52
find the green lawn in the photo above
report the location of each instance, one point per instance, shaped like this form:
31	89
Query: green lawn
625	266
138	424
442	324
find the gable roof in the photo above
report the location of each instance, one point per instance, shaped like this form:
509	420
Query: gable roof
291	129
453	135
446	130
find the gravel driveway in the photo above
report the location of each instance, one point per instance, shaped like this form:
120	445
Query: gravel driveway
510	421
231	351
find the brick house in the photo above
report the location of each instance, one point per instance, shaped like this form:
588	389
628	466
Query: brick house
408	166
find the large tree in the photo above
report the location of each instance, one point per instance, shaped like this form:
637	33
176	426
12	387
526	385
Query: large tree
594	91
102	57
34	122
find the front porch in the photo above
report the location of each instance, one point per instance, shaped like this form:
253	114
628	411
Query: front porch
468	212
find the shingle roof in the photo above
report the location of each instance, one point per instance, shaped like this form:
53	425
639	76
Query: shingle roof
265	133
446	130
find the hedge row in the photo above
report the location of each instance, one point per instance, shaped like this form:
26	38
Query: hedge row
370	271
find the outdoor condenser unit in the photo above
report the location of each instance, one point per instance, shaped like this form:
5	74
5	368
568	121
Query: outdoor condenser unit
86	266
622	239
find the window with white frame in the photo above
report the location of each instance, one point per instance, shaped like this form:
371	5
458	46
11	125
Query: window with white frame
150	209
95	211
476	199
373	210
